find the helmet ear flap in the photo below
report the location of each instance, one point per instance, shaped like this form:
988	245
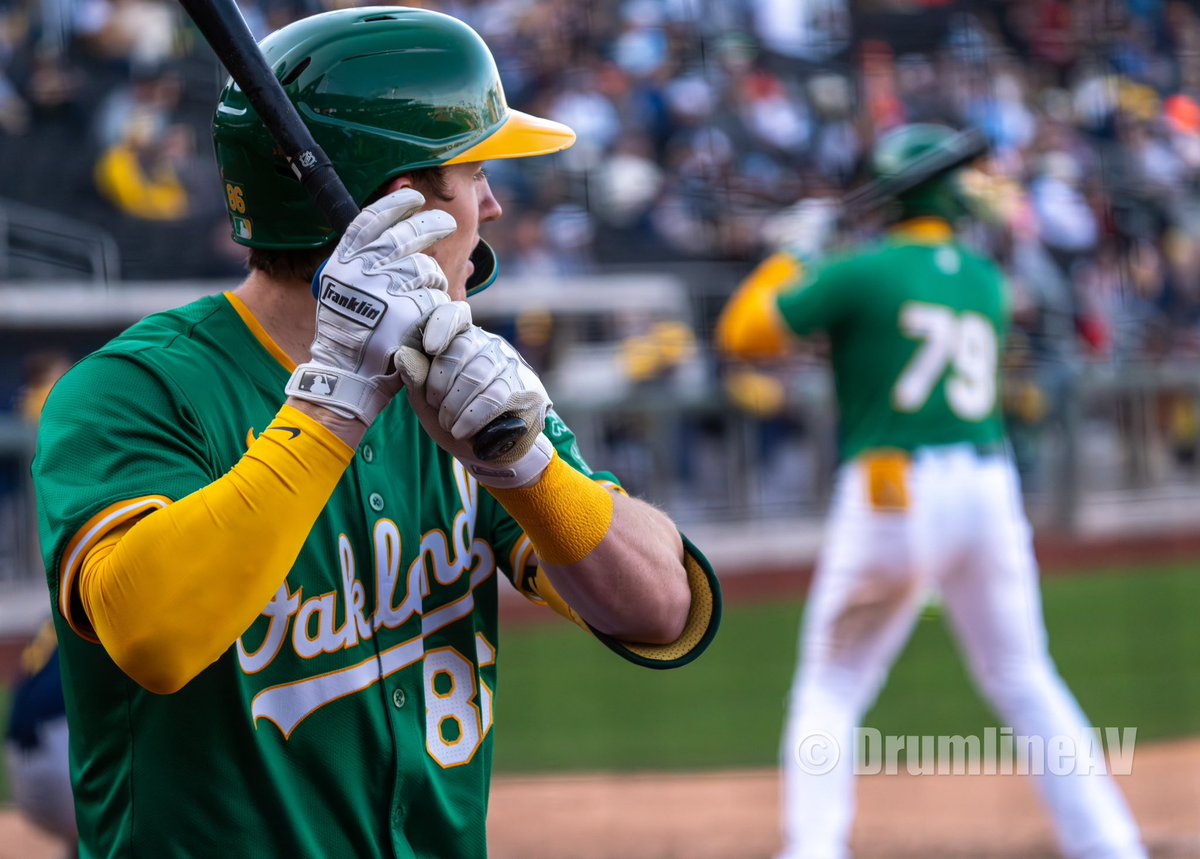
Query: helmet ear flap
486	268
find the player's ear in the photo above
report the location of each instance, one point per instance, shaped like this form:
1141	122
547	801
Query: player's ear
402	181
392	186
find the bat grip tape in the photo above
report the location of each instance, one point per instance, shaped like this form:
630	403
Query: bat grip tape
315	172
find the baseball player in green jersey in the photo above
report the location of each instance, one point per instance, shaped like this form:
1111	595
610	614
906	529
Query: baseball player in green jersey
926	501
275	580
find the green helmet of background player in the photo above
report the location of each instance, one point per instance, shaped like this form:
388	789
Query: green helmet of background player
384	90
920	162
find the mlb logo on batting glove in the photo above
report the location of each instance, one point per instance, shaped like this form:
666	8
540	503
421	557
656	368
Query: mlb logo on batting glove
313	382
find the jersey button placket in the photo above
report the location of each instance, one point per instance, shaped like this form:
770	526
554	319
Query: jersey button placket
399	699
376	501
368	454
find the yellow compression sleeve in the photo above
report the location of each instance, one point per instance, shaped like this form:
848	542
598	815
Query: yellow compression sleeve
565	514
750	326
171	593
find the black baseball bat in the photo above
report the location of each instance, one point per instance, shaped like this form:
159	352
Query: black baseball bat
223	27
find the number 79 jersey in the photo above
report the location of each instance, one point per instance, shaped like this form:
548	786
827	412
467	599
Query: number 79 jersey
915	330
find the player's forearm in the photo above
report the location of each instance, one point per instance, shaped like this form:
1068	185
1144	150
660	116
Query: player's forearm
349	430
616	561
178	588
633	585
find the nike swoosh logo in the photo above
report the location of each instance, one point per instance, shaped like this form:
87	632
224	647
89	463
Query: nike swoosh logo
250	437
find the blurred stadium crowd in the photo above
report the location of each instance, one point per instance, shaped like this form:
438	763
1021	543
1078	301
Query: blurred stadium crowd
698	120
706	130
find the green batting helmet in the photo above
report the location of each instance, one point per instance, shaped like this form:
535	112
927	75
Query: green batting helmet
916	167
384	90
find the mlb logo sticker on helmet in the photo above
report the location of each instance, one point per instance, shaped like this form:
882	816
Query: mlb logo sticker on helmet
242	228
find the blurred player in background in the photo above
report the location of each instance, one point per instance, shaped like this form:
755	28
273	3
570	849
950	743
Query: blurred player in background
42	370
926	500
36	741
275	588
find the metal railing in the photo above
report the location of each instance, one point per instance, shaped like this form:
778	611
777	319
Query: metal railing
19	556
35	243
1123	434
1108	438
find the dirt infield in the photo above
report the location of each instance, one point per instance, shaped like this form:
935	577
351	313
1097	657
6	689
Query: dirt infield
732	815
18	840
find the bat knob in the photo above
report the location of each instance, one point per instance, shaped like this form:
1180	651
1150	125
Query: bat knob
498	437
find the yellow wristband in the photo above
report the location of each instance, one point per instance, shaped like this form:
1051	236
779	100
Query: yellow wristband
565	515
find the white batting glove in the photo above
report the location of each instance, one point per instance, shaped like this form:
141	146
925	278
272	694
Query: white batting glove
372	295
472	378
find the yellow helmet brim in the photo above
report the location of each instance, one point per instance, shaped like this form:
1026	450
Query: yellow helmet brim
520	136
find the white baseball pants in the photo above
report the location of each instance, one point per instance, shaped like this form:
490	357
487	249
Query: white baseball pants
964	535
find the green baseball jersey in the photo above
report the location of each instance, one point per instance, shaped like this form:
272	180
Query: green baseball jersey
354	717
915	330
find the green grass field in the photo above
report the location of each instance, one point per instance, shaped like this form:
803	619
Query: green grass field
1126	641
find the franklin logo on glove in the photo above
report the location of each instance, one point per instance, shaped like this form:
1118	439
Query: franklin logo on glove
360	328
352	302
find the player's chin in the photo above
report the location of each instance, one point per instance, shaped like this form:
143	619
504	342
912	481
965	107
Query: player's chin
458	284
